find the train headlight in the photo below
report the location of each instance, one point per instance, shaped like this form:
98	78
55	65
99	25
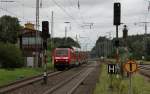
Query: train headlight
56	60
66	60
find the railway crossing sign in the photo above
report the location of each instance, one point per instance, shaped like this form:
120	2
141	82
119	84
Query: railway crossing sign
131	66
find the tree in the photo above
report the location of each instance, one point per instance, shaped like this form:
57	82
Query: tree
9	28
10	56
62	42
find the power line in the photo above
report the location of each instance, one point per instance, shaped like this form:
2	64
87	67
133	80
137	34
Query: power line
70	2
12	13
64	10
6	1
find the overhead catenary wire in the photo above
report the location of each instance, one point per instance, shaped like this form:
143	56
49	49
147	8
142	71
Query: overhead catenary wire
16	15
64	10
12	13
71	3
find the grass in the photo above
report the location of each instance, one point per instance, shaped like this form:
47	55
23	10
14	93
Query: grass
7	76
121	86
102	86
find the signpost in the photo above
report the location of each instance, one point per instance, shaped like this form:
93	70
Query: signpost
112	69
130	67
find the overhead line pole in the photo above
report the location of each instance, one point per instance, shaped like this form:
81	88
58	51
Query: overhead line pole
37	29
52	29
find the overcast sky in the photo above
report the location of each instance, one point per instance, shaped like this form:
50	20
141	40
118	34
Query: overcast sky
98	12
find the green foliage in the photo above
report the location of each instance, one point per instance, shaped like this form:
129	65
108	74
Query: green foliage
119	85
62	42
7	76
9	28
101	86
102	48
138	46
10	56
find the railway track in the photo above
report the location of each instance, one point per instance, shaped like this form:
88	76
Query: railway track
66	81
68	86
24	82
145	69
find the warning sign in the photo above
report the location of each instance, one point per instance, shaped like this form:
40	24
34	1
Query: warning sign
131	66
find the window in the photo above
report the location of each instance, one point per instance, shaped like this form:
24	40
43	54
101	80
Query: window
31	40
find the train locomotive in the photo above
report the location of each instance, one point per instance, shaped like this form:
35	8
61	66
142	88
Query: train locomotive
67	57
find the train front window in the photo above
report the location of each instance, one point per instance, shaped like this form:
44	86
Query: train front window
62	52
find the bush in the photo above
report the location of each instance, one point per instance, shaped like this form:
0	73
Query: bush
10	56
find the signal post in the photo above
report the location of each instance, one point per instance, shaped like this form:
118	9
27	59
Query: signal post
130	67
45	36
117	22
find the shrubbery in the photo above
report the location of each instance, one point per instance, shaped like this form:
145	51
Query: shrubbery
10	56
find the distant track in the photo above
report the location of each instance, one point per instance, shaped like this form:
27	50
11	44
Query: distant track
145	69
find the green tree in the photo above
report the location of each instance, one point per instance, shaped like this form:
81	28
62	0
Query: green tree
9	28
62	42
10	56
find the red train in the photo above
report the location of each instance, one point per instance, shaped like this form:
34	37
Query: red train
68	57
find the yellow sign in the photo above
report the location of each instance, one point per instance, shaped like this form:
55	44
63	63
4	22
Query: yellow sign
131	66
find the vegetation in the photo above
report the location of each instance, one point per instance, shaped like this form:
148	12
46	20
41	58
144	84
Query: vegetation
62	42
8	76
138	46
10	56
9	29
119	85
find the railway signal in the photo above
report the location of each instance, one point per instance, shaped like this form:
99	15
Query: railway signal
117	13
45	35
117	22
45	29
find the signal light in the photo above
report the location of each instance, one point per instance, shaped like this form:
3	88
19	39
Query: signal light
117	12
45	29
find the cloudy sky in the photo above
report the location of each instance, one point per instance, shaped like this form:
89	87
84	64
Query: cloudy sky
98	12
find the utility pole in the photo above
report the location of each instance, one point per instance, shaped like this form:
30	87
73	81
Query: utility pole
65	33
52	29
52	35
37	29
145	25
